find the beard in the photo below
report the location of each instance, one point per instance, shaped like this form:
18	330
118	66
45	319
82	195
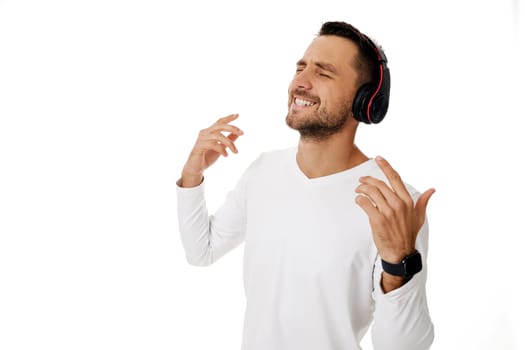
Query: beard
319	124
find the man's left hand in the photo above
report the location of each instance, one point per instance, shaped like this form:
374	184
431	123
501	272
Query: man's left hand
394	219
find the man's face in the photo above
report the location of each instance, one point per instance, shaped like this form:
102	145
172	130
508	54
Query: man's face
321	93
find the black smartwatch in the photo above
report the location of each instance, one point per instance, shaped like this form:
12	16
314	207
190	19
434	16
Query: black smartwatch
408	267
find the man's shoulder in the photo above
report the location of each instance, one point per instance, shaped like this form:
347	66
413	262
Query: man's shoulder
276	156
271	160
278	153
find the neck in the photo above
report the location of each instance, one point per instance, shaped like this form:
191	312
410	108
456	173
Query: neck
317	158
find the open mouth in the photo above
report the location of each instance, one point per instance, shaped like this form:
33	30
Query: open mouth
301	102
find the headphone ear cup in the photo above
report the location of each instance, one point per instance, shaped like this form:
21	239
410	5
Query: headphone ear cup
377	97
360	104
379	105
378	108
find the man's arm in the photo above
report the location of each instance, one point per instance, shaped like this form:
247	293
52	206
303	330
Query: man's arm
206	238
399	228
401	316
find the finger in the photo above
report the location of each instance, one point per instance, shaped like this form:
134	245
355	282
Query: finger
226	128
233	137
388	194
422	202
376	197
366	204
227	119
212	145
394	179
227	142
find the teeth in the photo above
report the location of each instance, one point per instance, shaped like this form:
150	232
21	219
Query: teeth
303	103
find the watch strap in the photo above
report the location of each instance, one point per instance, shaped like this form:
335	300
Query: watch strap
408	267
393	269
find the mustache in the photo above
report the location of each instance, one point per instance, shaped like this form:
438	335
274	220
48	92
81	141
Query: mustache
301	93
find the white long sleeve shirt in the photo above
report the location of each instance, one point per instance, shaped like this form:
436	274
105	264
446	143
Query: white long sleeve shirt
311	269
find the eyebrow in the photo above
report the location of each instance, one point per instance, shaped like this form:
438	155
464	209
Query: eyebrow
323	65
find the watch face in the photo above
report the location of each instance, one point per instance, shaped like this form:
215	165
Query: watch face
413	264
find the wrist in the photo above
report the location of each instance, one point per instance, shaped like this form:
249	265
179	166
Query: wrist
191	180
397	256
409	266
390	282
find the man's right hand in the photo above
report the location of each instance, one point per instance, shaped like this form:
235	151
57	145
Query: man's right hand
210	144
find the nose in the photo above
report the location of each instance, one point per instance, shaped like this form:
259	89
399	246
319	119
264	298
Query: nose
301	81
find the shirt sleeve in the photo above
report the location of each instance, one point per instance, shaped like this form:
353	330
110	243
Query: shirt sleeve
205	237
401	317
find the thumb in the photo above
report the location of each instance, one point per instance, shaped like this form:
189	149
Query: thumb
422	202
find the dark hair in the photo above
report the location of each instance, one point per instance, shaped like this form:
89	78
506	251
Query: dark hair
366	62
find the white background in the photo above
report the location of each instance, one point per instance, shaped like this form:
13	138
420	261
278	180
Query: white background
101	101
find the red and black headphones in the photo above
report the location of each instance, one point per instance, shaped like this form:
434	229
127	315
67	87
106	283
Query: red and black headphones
371	100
